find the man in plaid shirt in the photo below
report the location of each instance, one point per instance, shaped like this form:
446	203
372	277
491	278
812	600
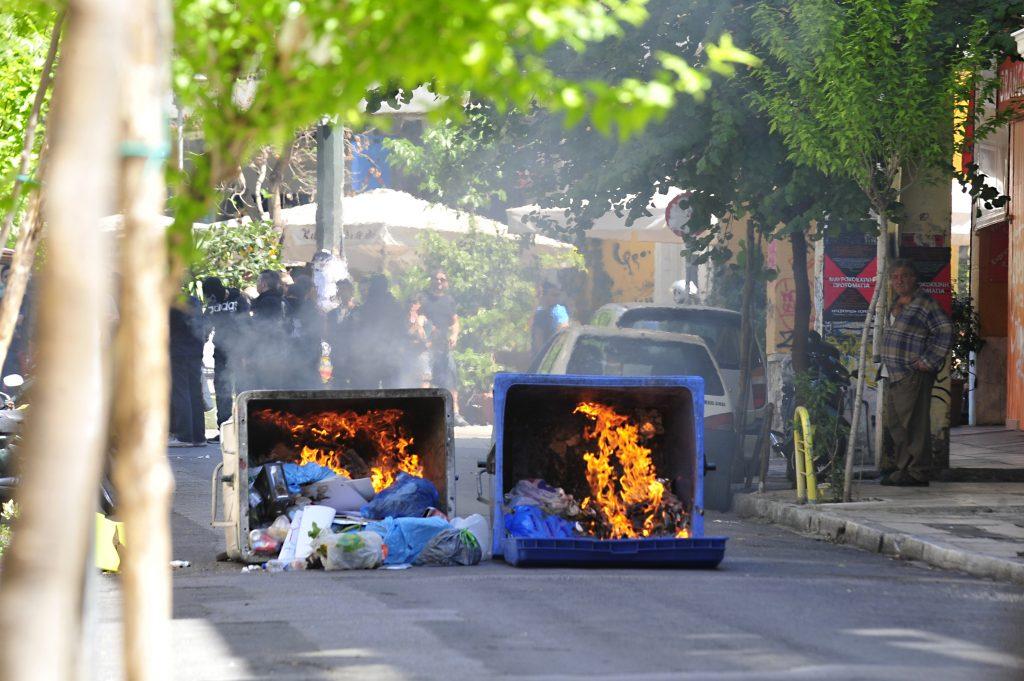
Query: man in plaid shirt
914	349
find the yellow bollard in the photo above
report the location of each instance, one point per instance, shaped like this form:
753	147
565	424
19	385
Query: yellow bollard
803	455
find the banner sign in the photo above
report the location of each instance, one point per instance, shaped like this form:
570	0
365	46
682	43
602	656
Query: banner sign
931	257
848	279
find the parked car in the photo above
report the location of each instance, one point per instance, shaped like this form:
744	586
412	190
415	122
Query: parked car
719	328
603	351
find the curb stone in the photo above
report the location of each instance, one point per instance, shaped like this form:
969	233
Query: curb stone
895	544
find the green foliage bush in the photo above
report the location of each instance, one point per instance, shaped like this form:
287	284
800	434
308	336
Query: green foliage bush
830	431
237	253
494	288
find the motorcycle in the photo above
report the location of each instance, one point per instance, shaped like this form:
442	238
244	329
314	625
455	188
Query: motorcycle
11	417
10	424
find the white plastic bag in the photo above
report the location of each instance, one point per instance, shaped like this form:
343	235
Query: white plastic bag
350	550
478	525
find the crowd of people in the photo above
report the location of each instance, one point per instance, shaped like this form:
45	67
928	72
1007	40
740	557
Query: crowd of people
286	338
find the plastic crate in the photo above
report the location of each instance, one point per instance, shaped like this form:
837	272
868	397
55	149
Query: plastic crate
703	552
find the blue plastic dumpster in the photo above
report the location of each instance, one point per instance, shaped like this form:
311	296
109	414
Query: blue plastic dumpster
526	406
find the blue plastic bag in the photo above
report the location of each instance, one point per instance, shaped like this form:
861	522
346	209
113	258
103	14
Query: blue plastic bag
406	537
532	523
297	475
407	497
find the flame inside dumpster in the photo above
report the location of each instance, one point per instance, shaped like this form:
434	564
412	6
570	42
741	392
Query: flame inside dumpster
627	498
373	443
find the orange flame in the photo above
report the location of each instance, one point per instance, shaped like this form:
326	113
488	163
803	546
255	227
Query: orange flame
625	490
325	436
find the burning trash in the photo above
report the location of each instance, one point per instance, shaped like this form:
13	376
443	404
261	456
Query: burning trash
600	470
345	481
373	444
625	498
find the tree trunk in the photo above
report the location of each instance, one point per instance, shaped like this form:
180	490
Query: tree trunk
274	182
801	302
142	475
746	341
880	280
21	269
41	594
30	130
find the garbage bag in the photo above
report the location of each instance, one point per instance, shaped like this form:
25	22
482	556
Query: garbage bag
480	528
351	550
407	497
450	547
279	528
552	500
406	537
531	522
297	475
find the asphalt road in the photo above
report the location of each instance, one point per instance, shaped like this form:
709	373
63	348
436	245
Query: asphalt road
781	606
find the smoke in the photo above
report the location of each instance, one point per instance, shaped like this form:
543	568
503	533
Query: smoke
285	343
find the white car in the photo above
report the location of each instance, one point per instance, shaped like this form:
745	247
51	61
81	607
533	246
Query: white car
603	351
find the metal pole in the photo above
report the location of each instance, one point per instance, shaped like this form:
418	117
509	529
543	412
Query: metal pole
330	184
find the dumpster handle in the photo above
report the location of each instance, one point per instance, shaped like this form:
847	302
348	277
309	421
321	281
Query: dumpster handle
215	480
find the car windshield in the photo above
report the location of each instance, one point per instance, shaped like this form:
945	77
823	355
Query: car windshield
611	356
721	332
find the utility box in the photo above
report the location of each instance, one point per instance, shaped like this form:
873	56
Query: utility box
302	426
539	434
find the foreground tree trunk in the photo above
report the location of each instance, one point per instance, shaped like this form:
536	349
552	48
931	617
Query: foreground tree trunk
141	472
30	131
41	593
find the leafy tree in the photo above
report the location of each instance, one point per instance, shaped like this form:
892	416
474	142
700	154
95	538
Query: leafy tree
26	30
719	148
866	89
255	70
237	253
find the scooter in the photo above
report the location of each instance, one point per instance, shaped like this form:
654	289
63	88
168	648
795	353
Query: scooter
827	368
11	417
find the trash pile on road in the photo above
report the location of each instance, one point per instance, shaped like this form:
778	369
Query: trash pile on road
305	516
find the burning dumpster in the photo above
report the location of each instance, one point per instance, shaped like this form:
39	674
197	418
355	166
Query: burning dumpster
367	436
601	470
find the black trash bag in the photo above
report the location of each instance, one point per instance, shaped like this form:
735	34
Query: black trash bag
451	547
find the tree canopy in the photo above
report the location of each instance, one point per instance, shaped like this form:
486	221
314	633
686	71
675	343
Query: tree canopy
253	71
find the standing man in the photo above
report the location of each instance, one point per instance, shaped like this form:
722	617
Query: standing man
439	309
226	312
914	348
549	318
188	427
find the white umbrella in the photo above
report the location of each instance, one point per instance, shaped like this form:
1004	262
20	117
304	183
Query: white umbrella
609	226
384	226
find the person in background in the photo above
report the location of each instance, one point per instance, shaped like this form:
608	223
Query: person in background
914	349
225	313
305	327
339	333
267	340
549	318
188	425
378	337
419	331
439	309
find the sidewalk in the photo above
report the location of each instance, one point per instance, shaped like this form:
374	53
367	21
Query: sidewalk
974	527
